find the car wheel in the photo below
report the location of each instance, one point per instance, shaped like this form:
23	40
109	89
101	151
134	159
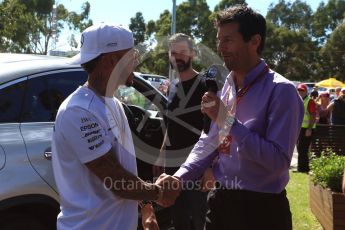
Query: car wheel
19	222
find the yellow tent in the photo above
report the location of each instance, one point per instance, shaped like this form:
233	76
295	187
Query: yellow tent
330	83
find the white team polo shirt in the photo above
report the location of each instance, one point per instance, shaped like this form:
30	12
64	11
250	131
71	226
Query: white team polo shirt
86	129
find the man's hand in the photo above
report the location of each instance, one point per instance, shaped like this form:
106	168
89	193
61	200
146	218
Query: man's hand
171	187
148	218
214	108
208	181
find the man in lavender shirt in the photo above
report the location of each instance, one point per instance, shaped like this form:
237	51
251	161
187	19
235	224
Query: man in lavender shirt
249	149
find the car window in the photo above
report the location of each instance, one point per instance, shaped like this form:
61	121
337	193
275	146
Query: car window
131	96
46	93
11	100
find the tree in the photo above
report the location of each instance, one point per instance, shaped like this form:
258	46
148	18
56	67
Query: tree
327	18
290	48
294	16
138	27
291	53
333	54
13	26
223	4
27	26
193	20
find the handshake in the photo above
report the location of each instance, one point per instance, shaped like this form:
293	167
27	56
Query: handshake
170	188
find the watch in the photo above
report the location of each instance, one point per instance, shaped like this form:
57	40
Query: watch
229	121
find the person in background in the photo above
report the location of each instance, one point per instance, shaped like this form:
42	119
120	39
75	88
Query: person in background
337	92
184	122
93	155
322	102
250	151
337	109
163	87
307	129
314	94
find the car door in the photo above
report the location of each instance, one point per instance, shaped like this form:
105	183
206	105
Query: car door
45	92
12	151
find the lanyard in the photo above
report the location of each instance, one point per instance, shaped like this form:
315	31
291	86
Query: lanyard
244	90
225	141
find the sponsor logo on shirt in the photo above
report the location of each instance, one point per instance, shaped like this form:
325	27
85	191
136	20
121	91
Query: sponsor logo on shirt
92	139
92	132
96	145
85	119
90	126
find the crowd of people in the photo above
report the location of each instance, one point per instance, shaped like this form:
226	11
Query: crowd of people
245	155
330	109
319	108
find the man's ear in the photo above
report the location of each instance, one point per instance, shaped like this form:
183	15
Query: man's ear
255	41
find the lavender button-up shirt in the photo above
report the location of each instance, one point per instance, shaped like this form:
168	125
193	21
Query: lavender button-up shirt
268	120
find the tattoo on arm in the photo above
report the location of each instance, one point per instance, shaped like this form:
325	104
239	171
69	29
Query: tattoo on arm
121	182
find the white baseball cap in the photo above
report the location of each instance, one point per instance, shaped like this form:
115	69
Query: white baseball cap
102	38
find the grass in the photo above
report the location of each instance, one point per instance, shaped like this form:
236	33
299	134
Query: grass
298	194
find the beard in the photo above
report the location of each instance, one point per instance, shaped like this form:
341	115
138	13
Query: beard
182	65
227	61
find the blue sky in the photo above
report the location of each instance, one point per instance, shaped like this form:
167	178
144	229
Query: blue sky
120	11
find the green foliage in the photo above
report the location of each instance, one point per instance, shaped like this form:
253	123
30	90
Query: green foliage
297	58
27	26
327	170
292	15
333	54
14	23
41	7
223	4
326	18
300	44
298	195
138	27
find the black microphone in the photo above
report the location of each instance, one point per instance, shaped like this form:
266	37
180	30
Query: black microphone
214	79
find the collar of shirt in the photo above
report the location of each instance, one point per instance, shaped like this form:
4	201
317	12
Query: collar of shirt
254	73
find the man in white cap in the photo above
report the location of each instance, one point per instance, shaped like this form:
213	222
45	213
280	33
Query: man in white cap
93	154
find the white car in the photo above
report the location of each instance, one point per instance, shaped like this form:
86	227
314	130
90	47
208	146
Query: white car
155	80
31	90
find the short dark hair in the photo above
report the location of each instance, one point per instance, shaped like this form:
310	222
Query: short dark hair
250	22
90	65
181	37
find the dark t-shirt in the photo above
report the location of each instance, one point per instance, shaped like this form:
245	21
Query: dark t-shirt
183	116
338	114
314	94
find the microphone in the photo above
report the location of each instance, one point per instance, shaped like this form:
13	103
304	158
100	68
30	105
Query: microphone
214	79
